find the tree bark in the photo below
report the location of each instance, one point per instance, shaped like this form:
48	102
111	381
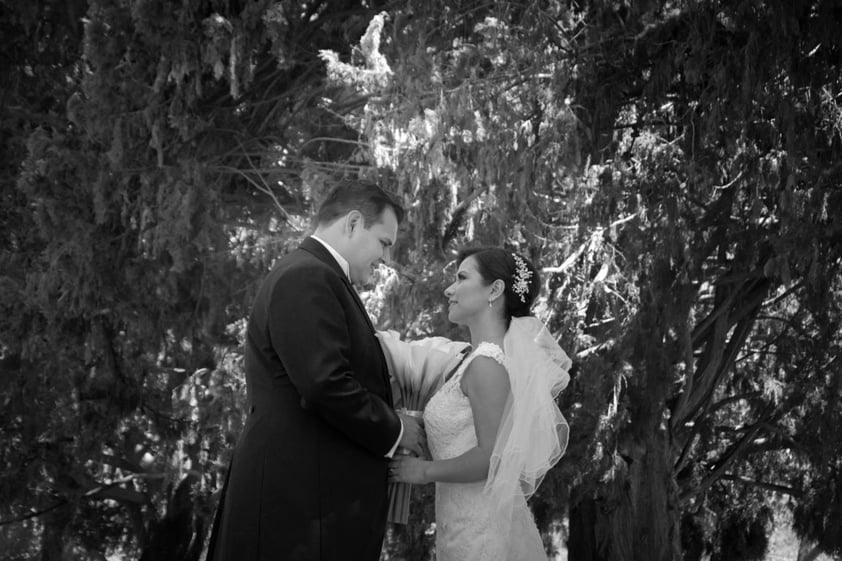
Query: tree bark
807	551
179	536
52	537
582	544
634	516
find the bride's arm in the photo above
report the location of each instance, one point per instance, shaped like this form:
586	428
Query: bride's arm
486	384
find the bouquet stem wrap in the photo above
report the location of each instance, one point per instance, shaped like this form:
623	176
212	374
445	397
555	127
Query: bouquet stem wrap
400	493
417	370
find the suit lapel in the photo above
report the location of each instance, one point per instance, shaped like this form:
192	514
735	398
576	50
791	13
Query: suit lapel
320	251
359	302
384	369
323	254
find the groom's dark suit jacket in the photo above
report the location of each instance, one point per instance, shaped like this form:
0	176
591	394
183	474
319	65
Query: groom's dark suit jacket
308	479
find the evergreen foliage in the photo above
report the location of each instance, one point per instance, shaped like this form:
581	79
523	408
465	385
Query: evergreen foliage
674	166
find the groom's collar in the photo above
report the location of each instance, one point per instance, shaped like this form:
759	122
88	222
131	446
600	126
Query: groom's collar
326	253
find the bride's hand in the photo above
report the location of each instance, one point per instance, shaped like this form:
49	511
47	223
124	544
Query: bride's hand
406	469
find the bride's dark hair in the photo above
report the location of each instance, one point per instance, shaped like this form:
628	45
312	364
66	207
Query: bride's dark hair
516	271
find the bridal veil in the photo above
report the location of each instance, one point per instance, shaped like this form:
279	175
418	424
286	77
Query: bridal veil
533	433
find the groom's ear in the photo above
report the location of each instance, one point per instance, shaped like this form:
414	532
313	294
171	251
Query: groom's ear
354	220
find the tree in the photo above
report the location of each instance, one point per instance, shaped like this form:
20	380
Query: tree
144	216
732	201
674	166
701	249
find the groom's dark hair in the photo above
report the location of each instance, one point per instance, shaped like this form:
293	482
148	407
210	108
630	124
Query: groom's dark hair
368	198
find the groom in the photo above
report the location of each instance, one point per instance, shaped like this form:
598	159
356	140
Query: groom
309	475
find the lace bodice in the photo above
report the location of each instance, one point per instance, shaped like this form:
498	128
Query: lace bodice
448	418
464	517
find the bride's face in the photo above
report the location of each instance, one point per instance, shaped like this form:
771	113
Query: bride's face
468	296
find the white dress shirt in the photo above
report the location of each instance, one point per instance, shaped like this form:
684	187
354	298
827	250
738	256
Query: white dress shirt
343	263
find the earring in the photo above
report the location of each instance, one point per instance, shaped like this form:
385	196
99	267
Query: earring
490	303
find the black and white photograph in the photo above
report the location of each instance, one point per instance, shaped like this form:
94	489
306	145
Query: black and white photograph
421	280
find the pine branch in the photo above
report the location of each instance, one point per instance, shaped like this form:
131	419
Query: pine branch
597	233
103	491
735	452
458	214
791	491
715	371
34	514
732	399
703	330
775	299
699	385
752	289
690	438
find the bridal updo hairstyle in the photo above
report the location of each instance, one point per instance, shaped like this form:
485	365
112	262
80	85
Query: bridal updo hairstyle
495	263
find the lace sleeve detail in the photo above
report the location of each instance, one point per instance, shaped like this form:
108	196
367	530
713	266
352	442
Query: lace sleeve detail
491	351
486	349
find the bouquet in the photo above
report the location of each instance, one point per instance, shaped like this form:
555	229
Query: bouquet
417	369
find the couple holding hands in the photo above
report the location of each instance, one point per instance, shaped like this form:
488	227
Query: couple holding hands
309	476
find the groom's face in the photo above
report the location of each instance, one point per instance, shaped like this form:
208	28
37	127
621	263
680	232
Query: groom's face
369	245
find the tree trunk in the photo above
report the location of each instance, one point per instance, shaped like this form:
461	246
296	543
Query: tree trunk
179	536
52	537
581	543
807	551
655	512
634	517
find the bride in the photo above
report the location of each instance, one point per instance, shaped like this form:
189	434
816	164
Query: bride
493	428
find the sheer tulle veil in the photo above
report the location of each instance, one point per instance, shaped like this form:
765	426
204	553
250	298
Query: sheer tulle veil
533	433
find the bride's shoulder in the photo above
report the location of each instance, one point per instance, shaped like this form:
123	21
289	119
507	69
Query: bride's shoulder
484	373
490	350
486	358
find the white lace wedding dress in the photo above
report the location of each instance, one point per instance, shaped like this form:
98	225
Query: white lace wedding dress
466	527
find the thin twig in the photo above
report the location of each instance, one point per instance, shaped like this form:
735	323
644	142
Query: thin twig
791	491
88	494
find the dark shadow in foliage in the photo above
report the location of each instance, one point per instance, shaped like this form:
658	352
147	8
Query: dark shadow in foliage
818	515
167	536
693	542
744	540
582	541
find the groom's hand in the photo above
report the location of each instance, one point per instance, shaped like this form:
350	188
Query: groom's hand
413	438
